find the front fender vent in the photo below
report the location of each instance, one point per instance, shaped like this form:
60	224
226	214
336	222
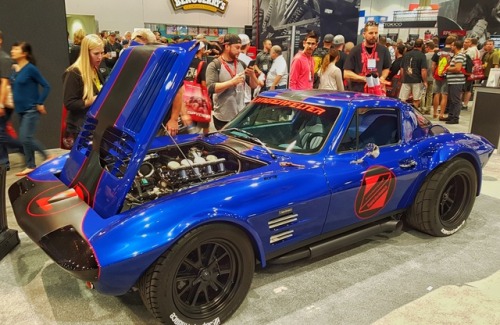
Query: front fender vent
282	221
281	236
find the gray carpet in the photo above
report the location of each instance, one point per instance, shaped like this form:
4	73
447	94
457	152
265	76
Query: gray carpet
405	278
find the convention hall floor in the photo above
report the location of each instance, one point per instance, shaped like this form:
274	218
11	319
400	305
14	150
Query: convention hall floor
402	278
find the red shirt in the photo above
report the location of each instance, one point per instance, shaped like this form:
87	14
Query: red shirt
302	72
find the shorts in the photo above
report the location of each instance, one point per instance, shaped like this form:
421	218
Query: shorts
414	89
440	87
468	86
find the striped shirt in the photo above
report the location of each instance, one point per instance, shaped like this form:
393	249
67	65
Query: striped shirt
456	78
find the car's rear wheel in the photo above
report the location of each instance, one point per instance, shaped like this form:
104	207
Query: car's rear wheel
204	277
445	200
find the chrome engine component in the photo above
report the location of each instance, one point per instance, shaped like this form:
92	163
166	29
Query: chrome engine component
170	170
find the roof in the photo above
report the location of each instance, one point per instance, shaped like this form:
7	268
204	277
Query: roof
325	97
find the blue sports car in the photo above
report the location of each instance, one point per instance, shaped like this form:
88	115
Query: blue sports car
185	219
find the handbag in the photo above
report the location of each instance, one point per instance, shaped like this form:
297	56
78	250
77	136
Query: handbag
9	102
197	100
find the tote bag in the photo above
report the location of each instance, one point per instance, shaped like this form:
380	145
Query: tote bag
196	99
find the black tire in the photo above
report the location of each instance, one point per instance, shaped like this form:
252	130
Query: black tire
445	200
205	276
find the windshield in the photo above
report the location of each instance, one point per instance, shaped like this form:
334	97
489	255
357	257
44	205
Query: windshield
285	125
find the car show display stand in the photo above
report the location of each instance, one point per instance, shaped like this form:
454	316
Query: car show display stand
485	117
8	237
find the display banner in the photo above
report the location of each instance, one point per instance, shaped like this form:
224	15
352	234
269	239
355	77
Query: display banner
410	24
479	19
207	5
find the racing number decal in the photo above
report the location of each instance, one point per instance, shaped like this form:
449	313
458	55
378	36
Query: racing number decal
376	189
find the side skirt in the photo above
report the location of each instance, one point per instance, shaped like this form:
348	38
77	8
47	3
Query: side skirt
339	241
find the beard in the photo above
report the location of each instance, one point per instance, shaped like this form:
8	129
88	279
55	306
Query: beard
370	42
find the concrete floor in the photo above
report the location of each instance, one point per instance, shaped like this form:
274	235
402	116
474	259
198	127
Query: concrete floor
403	278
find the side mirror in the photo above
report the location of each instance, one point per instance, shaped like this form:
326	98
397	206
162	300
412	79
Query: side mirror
371	150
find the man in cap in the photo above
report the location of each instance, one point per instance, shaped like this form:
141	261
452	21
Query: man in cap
338	44
112	50
226	80
245	45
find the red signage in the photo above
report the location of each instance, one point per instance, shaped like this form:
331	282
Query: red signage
458	32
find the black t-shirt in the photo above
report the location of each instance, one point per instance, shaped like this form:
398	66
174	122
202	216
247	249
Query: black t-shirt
413	63
109	48
340	63
395	67
264	61
354	63
192	71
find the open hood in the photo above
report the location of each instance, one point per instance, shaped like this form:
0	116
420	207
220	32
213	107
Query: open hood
123	122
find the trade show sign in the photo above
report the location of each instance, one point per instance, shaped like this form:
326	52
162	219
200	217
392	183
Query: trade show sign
207	5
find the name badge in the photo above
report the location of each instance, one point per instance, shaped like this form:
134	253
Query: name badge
372	64
113	54
264	67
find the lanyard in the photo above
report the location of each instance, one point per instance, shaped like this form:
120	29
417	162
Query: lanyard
231	73
365	57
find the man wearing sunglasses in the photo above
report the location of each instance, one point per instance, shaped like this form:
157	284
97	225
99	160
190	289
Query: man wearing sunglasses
367	58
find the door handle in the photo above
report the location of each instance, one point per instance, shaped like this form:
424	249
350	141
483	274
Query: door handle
407	163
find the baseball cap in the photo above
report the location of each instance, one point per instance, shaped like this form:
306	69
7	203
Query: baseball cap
231	39
328	38
112	34
339	39
201	46
244	39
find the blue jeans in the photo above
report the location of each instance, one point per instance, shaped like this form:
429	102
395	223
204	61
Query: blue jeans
6	141
28	121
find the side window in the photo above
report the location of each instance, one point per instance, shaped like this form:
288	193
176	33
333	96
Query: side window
378	126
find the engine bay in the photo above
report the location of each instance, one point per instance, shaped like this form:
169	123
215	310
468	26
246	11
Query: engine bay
174	168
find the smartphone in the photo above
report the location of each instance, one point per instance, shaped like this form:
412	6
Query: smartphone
251	63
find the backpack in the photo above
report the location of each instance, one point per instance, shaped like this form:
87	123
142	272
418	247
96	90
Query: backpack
444	59
467	70
477	70
318	57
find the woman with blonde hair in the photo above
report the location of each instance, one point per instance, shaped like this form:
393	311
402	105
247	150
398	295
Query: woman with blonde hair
331	75
82	81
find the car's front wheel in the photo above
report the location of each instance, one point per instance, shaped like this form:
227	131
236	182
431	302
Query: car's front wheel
445	200
203	278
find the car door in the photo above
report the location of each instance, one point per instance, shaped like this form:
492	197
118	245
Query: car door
363	187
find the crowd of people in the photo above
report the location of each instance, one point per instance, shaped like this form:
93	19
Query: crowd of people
411	71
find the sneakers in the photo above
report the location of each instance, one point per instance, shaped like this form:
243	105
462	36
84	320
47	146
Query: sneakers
464	107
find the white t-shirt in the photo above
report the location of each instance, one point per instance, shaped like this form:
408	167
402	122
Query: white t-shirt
331	78
278	68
